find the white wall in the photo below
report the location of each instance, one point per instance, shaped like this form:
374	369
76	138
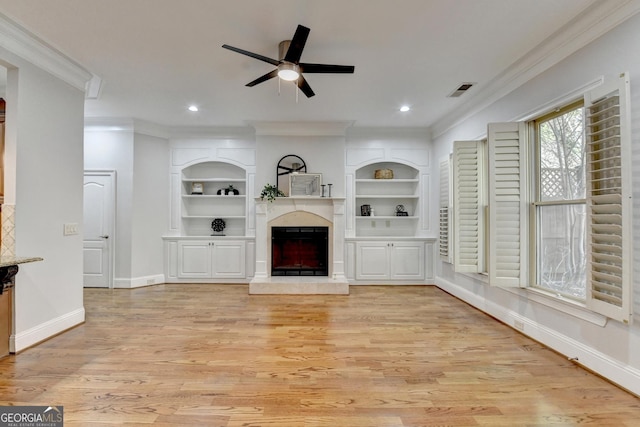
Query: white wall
43	176
150	208
141	163
321	154
613	350
112	149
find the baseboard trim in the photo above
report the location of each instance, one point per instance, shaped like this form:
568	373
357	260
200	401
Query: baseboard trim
138	282
613	370
44	331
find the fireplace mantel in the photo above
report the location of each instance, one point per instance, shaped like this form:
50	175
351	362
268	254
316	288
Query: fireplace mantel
331	209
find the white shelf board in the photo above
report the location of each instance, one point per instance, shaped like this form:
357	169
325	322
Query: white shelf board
397	181
386	196
385	217
214	180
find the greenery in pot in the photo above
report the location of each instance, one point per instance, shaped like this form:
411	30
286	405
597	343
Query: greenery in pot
270	192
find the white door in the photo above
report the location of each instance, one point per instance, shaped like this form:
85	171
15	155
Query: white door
99	214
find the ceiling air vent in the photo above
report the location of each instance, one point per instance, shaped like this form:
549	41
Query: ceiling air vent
460	89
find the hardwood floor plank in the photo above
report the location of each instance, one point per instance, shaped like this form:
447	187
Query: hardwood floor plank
211	355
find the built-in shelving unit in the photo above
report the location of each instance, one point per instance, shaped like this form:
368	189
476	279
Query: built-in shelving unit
384	196
199	210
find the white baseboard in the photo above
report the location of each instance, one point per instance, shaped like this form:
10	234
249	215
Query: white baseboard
30	337
138	282
619	373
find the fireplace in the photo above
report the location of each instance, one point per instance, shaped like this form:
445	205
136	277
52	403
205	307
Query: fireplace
299	251
306	272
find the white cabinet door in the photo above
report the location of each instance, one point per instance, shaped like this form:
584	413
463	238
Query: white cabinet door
228	259
217	259
390	260
372	260
194	259
407	261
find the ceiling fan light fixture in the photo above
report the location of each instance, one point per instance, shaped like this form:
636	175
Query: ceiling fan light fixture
288	65
288	71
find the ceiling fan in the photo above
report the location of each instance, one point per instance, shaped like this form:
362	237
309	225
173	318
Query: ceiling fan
289	66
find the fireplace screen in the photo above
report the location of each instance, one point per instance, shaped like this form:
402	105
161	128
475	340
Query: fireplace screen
299	251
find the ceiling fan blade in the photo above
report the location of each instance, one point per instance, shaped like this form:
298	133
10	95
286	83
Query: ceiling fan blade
264	78
297	44
251	54
326	68
304	87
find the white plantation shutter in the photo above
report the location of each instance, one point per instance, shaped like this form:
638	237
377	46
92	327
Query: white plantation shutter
609	232
508	229
445	230
468	227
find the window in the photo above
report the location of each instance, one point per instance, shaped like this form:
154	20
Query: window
443	246
579	209
560	204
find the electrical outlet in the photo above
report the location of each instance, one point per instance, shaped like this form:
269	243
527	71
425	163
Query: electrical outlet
373	224
70	229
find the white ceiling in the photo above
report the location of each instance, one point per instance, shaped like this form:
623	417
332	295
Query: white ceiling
156	57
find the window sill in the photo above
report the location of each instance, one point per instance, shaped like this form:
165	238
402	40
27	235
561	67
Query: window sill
559	303
548	299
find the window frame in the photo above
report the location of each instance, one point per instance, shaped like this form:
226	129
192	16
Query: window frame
536	197
606	297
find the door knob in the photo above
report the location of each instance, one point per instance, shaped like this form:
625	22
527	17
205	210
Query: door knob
106	236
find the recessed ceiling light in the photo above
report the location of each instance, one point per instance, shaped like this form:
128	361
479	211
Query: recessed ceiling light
405	108
193	108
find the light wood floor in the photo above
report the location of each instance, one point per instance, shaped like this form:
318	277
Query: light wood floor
211	355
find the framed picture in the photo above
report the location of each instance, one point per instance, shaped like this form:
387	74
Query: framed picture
197	188
305	184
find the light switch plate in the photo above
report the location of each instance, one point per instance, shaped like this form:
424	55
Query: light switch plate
70	229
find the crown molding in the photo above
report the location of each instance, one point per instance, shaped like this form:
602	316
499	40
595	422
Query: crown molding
319	128
599	18
143	127
108	124
20	42
215	132
125	124
389	132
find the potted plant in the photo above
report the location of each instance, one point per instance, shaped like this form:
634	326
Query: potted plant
270	192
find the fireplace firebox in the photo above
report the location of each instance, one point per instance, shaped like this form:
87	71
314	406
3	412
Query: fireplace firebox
299	251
